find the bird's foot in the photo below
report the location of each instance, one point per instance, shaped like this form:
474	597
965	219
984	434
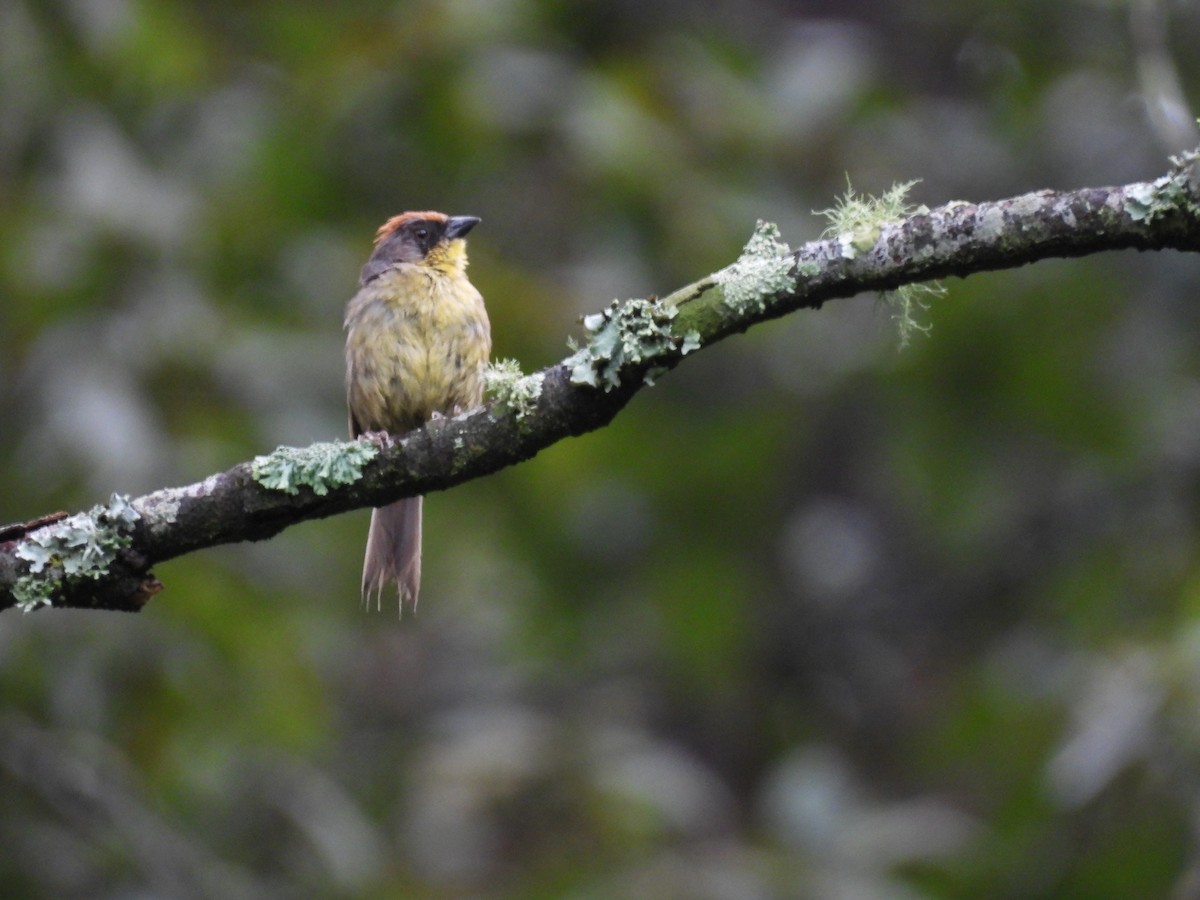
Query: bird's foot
380	439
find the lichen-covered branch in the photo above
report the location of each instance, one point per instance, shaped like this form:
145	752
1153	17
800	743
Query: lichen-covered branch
103	558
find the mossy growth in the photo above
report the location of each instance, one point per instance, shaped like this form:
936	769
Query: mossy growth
319	466
856	222
511	388
80	546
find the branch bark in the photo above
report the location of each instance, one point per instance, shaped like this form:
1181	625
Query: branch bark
955	239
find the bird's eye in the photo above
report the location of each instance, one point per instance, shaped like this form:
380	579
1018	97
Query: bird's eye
422	233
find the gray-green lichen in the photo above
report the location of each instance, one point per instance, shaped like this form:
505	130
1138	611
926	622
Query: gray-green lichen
318	466
163	506
513	389
629	333
161	509
79	546
764	270
1178	190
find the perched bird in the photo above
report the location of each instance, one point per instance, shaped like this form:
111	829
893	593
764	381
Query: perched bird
417	342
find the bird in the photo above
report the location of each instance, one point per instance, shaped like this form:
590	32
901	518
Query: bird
417	345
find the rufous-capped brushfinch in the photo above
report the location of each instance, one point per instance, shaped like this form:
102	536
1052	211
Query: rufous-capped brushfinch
417	342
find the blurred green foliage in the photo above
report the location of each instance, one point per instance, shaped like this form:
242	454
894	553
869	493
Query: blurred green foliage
811	618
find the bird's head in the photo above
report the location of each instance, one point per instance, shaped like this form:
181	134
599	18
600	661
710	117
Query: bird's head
423	238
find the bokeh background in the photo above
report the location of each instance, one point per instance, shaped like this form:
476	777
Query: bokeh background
813	618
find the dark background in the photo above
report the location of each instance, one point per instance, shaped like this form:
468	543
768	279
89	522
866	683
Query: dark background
812	618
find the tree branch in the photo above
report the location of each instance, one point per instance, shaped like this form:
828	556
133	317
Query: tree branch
630	344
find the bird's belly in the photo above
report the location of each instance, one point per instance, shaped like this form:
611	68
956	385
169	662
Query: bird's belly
406	362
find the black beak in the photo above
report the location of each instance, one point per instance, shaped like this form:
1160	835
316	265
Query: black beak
457	226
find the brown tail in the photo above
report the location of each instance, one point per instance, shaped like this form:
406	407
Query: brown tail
394	552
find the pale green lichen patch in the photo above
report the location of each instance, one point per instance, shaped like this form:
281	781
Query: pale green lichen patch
1178	190
514	390
1027	205
989	224
625	334
163	507
1141	201
764	270
318	466
80	546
